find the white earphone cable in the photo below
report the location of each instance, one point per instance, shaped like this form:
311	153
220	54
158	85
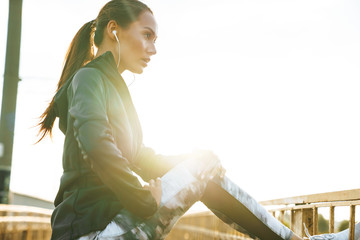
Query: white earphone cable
114	32
118	62
132	80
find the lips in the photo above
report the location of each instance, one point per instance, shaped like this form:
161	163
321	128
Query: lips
145	61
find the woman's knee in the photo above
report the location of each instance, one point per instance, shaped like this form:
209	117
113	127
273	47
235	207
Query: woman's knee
204	164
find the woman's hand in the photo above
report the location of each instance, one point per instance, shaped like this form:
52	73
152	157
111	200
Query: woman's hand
155	188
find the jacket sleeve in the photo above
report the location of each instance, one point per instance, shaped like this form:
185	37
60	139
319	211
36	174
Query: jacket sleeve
94	136
149	165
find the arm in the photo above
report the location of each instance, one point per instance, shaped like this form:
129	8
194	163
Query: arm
150	165
93	134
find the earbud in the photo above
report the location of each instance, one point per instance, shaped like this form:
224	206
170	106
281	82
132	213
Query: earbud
114	32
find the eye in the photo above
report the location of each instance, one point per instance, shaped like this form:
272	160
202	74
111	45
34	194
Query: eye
147	35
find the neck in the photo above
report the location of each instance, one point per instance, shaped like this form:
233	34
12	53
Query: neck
101	51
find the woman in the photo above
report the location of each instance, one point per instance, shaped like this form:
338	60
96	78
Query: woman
99	196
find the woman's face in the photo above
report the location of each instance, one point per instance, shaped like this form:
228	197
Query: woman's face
137	43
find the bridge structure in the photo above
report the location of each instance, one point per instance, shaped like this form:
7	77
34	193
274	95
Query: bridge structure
298	213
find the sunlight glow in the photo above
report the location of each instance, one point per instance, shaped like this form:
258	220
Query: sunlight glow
272	87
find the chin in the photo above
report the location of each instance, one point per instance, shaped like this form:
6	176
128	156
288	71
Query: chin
137	70
140	71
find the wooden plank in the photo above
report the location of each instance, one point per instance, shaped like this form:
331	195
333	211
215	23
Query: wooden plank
29	233
28	209
315	221
336	204
307	219
202	213
332	219
24	219
282	214
205	232
297	222
347	195
352	222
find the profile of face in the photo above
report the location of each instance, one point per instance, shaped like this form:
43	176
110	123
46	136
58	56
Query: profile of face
137	43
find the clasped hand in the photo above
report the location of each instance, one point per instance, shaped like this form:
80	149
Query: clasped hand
155	189
207	166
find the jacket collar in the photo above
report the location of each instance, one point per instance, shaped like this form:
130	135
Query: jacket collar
107	65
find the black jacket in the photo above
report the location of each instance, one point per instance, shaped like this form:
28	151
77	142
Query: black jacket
103	145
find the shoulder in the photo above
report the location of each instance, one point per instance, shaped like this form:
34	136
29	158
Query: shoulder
87	77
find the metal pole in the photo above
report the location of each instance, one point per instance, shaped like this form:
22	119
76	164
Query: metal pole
8	107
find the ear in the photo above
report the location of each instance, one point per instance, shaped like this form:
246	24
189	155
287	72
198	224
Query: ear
110	27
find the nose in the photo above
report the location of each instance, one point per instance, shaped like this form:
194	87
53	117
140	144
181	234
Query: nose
151	49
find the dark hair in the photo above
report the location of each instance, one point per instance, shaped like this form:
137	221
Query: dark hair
81	51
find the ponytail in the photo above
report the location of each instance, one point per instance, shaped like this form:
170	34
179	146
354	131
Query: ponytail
79	53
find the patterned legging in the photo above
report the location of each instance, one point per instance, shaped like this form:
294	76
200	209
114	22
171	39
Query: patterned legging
181	188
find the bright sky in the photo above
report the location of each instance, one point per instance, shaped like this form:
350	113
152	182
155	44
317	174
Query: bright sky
271	86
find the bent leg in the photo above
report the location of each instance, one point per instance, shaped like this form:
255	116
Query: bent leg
182	187
180	190
238	209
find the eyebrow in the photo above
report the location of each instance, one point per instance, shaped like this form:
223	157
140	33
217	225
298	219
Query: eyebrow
152	31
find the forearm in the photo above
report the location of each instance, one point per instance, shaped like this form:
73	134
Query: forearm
149	165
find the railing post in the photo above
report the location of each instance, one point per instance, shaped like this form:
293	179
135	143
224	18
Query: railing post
315	220
307	218
29	231
352	222
282	213
292	219
332	219
299	217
